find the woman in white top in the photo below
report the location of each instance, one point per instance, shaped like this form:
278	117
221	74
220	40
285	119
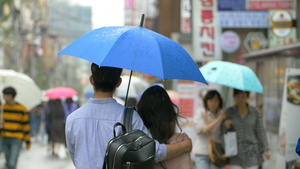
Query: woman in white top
213	104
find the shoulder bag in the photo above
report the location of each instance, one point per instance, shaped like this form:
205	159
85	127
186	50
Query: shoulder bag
216	150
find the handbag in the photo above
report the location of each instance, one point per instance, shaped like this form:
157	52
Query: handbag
230	143
216	150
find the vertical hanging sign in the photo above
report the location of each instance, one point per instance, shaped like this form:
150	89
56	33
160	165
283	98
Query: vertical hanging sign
205	31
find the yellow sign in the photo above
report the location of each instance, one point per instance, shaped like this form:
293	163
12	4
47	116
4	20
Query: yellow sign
282	23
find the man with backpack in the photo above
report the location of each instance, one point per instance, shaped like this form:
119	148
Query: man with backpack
90	128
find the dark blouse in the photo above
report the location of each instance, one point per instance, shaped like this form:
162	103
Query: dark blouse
251	137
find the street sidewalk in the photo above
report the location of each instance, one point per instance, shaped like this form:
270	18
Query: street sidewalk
38	157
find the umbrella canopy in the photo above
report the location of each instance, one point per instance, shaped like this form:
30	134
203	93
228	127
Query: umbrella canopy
60	92
137	49
137	87
28	93
232	75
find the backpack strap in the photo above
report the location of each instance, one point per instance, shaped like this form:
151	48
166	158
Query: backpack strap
127	121
128	113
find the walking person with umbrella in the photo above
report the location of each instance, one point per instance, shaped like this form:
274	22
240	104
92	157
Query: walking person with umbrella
135	49
16	127
89	128
56	119
252	141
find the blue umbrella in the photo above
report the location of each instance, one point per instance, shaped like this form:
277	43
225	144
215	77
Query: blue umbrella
231	75
137	49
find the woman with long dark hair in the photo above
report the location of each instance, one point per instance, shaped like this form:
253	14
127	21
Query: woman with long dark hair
160	116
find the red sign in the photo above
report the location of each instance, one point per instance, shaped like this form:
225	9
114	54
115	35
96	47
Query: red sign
186	107
207	29
205	43
269	4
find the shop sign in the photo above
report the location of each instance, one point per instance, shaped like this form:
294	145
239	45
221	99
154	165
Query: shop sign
185	16
229	42
255	41
275	41
186	98
231	5
205	30
282	23
243	19
268	4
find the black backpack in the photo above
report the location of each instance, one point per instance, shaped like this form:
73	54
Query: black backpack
130	150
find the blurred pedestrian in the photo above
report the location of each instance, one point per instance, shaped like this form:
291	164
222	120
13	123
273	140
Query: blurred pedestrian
44	124
57	127
16	127
47	122
69	107
160	116
298	147
213	105
251	137
1	126
35	116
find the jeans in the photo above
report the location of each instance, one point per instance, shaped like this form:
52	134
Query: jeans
11	148
203	162
1	144
34	124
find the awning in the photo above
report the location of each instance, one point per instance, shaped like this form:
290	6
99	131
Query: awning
289	49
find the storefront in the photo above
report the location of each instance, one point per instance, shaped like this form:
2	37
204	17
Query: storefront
270	65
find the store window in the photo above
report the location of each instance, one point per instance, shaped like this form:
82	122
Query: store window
272	72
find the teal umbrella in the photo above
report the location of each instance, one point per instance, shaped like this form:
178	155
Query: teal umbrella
231	75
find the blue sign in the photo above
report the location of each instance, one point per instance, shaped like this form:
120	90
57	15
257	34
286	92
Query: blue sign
231	5
243	19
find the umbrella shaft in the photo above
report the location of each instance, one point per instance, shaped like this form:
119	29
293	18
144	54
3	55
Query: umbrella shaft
126	98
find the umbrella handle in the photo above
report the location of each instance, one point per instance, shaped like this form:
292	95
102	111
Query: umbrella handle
142	20
126	98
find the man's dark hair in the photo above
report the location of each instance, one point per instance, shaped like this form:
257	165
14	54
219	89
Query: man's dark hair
10	90
237	91
105	78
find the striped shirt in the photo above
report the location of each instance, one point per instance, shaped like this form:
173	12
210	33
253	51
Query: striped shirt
16	123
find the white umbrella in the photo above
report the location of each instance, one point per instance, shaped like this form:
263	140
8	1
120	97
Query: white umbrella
137	87
28	93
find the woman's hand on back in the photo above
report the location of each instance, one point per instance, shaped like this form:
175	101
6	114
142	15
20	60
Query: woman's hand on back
188	143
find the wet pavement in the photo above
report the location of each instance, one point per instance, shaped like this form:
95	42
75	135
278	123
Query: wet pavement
39	157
